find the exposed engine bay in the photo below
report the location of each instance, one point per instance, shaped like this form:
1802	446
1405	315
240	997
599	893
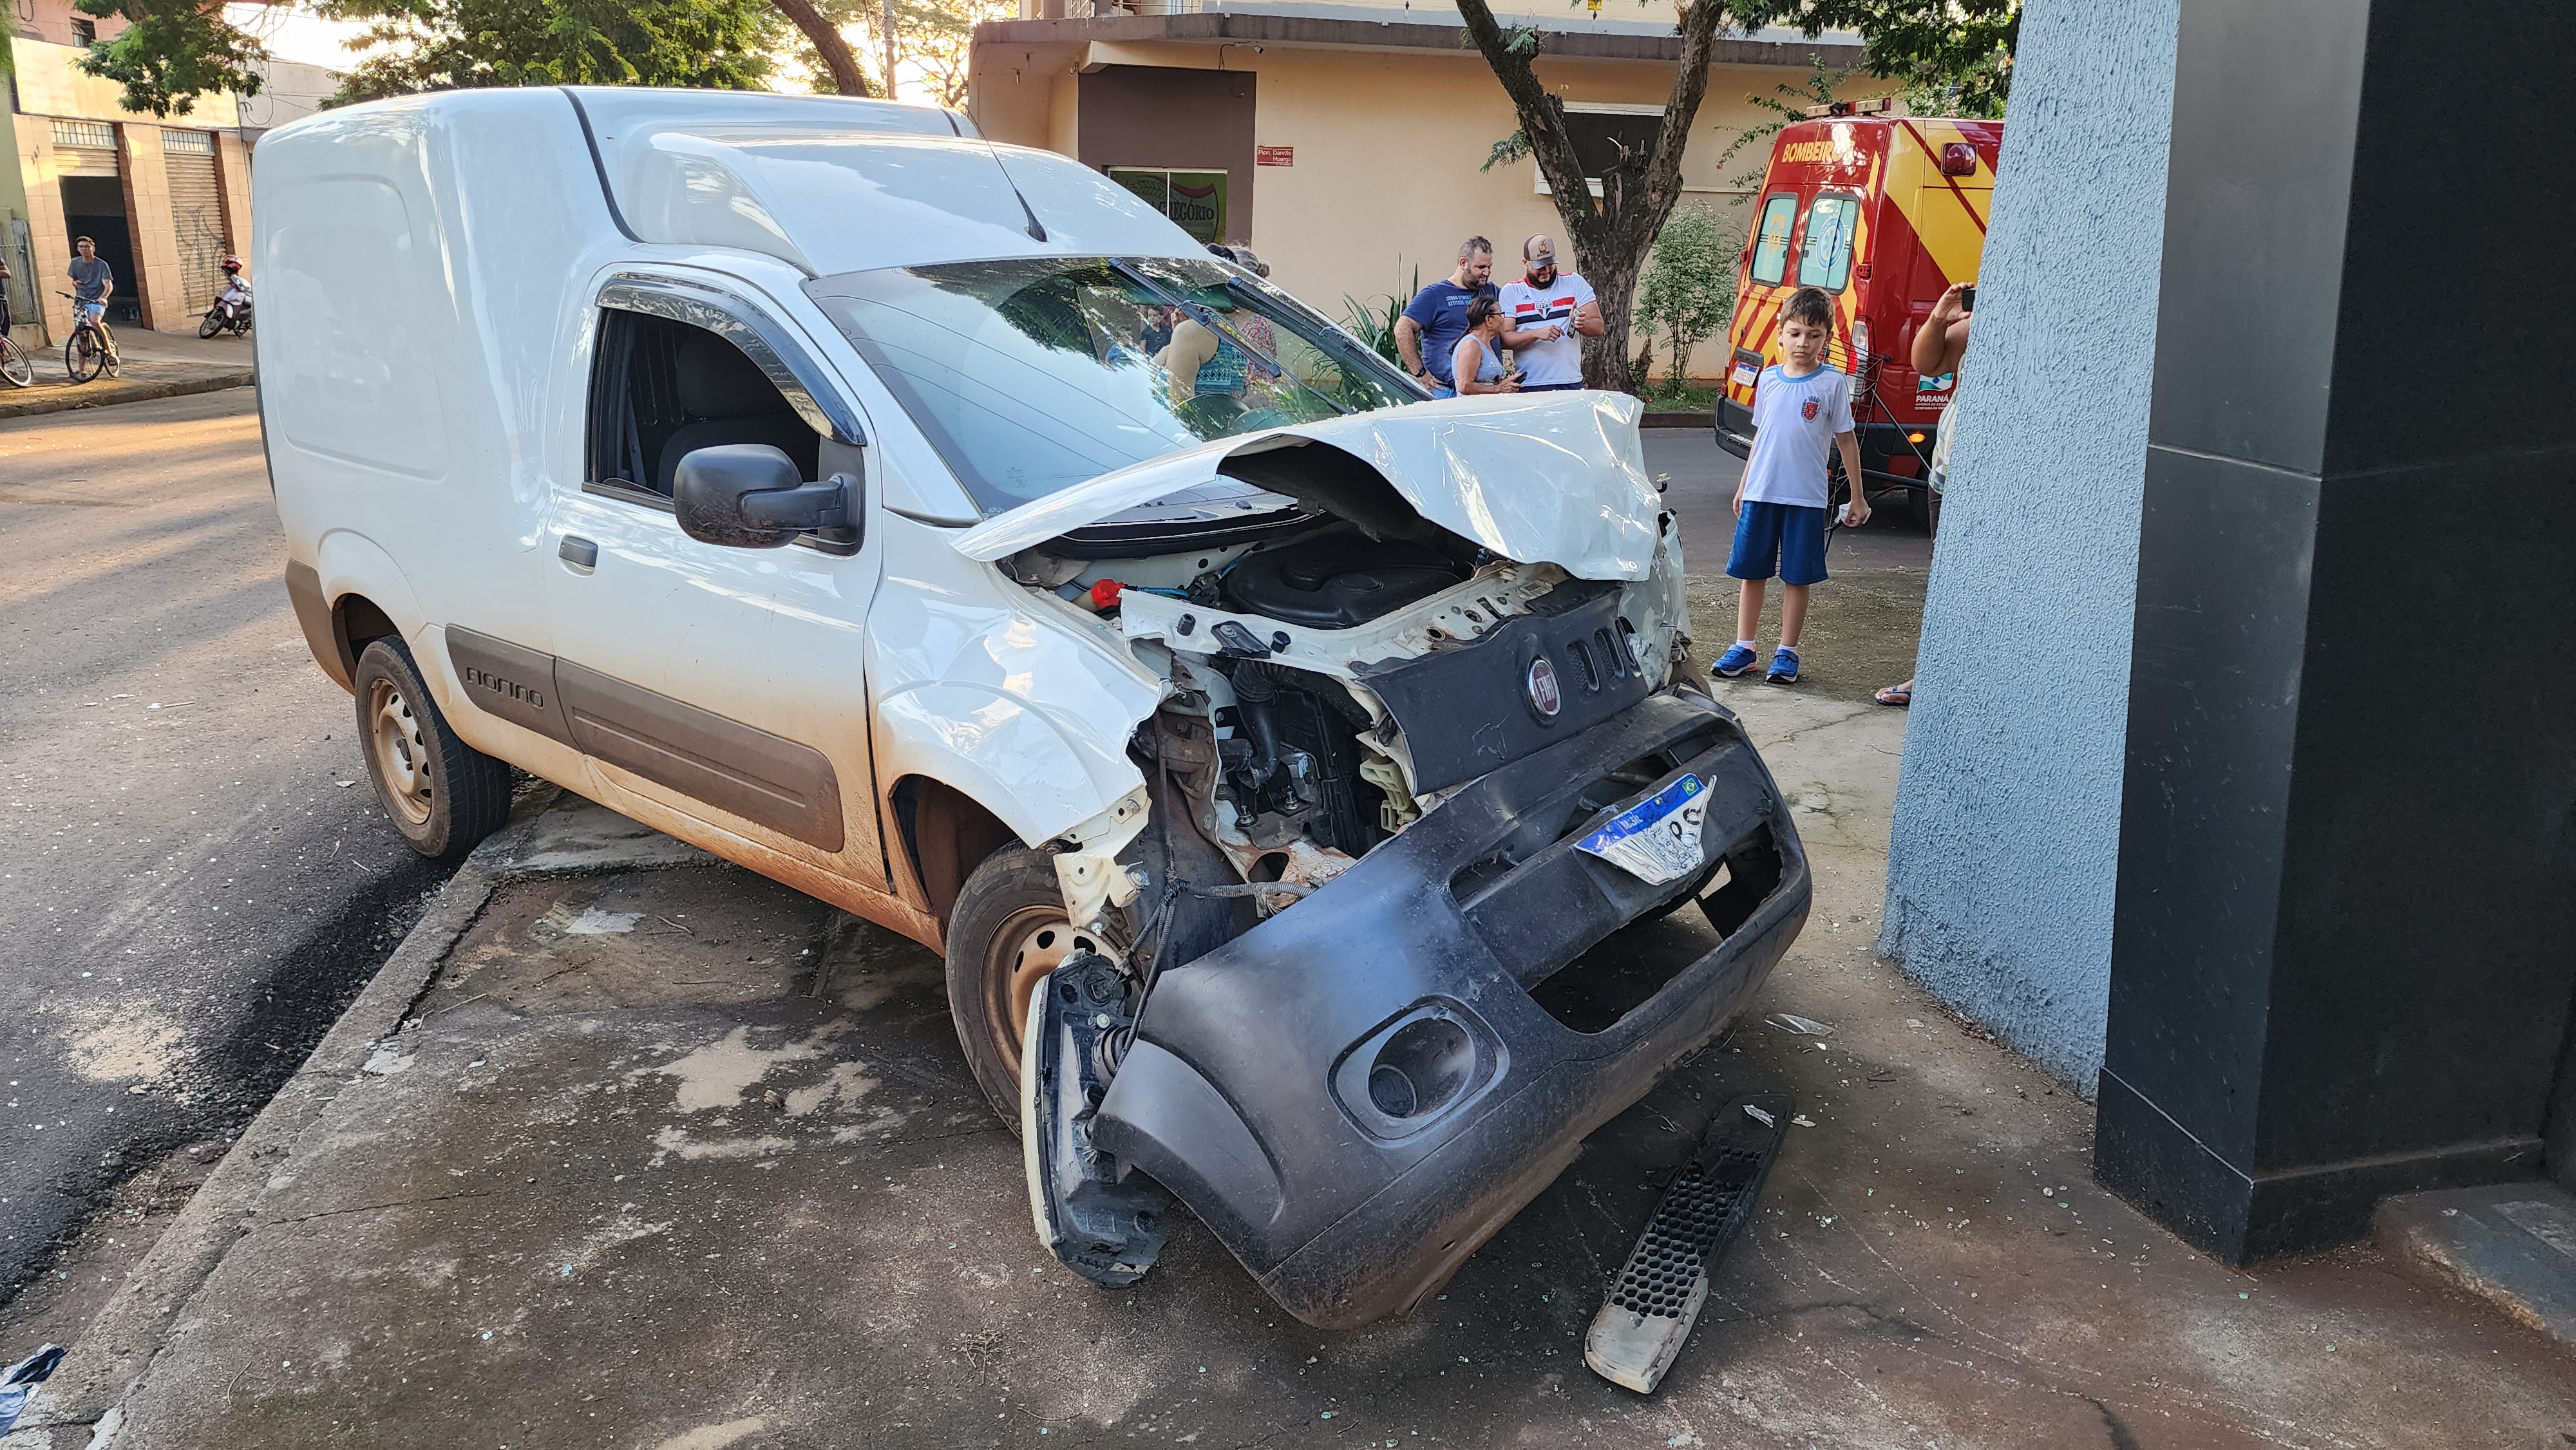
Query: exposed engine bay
1348	680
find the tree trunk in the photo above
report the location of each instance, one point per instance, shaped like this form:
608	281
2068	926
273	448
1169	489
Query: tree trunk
837	56
1611	233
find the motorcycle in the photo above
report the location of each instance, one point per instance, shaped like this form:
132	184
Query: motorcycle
231	312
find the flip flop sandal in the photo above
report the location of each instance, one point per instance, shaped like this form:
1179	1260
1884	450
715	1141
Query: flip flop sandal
1898	695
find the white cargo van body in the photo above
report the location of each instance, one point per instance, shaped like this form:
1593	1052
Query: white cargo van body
934	528
427	419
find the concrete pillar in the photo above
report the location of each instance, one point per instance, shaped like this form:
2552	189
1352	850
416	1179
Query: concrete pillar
45	220
2006	837
2341	957
155	234
232	162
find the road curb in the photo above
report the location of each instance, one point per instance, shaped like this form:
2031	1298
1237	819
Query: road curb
119	1346
137	391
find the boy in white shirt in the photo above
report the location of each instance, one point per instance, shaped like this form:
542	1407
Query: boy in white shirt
1543	313
1801	415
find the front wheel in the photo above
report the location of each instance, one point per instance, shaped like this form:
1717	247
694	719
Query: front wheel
82	355
1008	931
18	368
212	324
444	795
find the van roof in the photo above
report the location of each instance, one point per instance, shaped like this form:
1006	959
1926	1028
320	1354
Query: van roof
825	183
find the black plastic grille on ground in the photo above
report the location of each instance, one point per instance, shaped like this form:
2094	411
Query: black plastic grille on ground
1701	1209
1657	1296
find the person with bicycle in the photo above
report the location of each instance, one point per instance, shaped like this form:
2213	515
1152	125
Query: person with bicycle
15	367
93	282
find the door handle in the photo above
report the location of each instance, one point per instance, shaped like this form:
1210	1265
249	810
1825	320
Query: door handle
579	552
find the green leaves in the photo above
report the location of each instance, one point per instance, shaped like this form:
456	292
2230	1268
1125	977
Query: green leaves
1514	147
1689	289
439	45
168	56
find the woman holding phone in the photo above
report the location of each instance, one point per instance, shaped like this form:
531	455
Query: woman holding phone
1477	363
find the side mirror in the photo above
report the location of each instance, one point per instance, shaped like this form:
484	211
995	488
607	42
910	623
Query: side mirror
751	496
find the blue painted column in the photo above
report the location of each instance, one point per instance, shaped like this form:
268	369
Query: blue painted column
2005	846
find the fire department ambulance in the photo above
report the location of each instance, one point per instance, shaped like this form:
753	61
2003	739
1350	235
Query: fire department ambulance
1882	211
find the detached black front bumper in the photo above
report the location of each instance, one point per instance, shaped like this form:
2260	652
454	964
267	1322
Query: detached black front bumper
1249	1090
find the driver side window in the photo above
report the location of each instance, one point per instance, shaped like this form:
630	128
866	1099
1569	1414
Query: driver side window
662	388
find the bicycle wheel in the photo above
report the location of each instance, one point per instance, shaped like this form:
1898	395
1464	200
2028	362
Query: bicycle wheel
82	355
18	368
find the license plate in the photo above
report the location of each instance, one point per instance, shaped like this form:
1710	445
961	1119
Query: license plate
1744	375
1658	839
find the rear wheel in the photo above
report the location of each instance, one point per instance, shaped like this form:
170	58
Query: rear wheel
1008	931
15	365
82	354
444	795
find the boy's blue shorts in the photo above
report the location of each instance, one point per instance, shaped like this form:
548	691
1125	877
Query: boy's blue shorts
1792	533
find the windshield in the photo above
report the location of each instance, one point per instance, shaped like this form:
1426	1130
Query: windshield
1032	375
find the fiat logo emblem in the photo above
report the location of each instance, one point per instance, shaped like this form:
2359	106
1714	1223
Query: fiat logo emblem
1542	687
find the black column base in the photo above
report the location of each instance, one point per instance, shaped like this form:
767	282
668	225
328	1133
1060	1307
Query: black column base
2148	1159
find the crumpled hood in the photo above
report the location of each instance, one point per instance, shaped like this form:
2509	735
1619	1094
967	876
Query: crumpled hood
1549	478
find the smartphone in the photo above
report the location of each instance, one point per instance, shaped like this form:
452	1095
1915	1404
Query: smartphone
1968	298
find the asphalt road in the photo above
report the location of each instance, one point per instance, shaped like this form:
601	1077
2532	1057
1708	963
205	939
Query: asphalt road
194	875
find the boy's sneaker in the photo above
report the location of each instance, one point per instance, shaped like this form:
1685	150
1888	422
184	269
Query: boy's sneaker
1784	666
1736	660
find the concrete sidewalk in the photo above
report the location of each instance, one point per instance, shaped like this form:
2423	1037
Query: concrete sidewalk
663	1155
156	365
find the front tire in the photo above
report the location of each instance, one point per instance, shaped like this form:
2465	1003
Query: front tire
1007	932
213	323
442	794
82	356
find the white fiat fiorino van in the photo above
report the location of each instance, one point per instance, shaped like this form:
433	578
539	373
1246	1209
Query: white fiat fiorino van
928	525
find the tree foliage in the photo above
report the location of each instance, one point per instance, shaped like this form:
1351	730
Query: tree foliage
171	53
440	45
1689	289
932	39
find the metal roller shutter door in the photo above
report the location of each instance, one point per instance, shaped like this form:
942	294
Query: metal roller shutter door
197	215
85	148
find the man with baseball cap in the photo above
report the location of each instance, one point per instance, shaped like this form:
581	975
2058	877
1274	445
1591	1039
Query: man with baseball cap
1542	312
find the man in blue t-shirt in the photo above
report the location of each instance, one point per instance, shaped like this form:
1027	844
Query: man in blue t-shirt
1429	330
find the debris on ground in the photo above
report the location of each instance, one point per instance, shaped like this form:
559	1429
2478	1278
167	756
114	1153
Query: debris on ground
19	1385
1803	1026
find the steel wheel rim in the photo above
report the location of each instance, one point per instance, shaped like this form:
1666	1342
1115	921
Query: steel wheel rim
1032	942
17	367
401	757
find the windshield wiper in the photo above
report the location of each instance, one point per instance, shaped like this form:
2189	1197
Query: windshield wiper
1146	281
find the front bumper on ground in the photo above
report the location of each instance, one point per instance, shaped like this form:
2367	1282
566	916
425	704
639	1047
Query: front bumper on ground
1358	1092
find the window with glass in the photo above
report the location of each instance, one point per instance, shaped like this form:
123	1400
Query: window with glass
1771	239
1826	260
1031	375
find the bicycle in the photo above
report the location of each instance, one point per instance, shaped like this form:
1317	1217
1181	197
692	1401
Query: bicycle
89	350
15	366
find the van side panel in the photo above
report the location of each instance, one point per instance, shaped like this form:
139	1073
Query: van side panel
421	395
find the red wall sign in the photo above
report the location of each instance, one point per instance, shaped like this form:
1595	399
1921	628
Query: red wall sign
1274	155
